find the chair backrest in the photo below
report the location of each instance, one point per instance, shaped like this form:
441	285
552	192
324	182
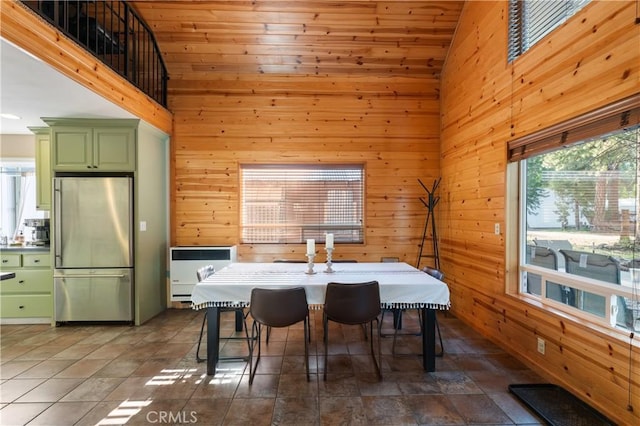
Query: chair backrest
435	273
352	303
603	268
205	271
389	259
598	266
542	256
554	244
289	261
279	307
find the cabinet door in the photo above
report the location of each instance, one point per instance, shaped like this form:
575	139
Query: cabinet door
114	149
43	172
72	149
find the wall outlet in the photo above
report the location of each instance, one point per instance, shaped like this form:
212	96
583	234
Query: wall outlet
541	345
496	229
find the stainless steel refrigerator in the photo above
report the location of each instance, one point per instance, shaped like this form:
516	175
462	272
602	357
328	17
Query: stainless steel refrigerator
93	248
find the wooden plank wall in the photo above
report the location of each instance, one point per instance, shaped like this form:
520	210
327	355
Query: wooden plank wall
280	82
395	135
591	61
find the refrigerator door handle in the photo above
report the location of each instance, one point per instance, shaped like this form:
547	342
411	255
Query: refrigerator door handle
91	276
57	222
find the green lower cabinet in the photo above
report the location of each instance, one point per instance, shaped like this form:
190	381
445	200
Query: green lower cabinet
28	297
26	305
28	281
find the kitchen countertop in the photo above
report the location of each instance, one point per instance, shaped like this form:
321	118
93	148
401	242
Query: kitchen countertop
34	249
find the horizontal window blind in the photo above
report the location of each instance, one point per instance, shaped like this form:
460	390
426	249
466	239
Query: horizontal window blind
531	20
293	203
624	114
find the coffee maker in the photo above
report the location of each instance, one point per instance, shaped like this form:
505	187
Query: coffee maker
39	231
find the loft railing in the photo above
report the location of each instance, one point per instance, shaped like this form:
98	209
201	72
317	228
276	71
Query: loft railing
114	33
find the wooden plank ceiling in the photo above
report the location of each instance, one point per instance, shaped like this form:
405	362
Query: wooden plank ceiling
266	39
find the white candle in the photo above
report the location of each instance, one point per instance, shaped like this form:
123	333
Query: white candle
329	241
311	247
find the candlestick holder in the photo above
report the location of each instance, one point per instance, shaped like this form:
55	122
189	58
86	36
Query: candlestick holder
310	264
329	253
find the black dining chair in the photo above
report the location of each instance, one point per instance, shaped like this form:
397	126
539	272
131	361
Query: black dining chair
290	261
203	273
353	304
266	309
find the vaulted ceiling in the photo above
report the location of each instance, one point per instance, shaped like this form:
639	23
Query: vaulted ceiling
231	40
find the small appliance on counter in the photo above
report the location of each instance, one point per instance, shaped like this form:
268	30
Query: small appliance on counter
39	232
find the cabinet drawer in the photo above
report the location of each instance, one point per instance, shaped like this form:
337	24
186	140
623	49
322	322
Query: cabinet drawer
10	260
28	282
36	260
26	306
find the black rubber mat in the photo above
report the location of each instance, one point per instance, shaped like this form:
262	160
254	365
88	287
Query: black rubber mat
557	406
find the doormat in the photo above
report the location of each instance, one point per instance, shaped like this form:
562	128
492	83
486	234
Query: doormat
557	406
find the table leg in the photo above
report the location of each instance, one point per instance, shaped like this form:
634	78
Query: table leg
213	339
239	320
429	339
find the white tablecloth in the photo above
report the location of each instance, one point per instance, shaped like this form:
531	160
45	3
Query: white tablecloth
401	285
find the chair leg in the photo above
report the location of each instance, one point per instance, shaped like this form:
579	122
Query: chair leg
246	330
377	363
204	321
307	338
256	334
396	319
441	353
395	333
325	328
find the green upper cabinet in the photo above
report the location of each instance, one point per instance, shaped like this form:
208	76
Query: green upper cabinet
43	167
114	148
93	145
72	148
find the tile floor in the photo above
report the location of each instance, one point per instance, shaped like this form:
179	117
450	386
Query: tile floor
115	375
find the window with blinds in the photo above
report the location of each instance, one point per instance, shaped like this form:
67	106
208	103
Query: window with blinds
579	214
293	203
531	20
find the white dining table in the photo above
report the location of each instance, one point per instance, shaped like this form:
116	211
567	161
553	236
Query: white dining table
401	286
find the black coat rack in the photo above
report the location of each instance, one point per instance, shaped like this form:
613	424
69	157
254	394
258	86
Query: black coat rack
430	203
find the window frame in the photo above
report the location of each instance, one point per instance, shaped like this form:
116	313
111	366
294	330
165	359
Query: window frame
621	115
525	30
287	200
13	213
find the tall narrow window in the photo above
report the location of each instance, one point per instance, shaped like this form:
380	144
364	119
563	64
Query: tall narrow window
531	20
291	203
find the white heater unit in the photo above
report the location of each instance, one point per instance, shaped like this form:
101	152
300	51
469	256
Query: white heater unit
185	261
